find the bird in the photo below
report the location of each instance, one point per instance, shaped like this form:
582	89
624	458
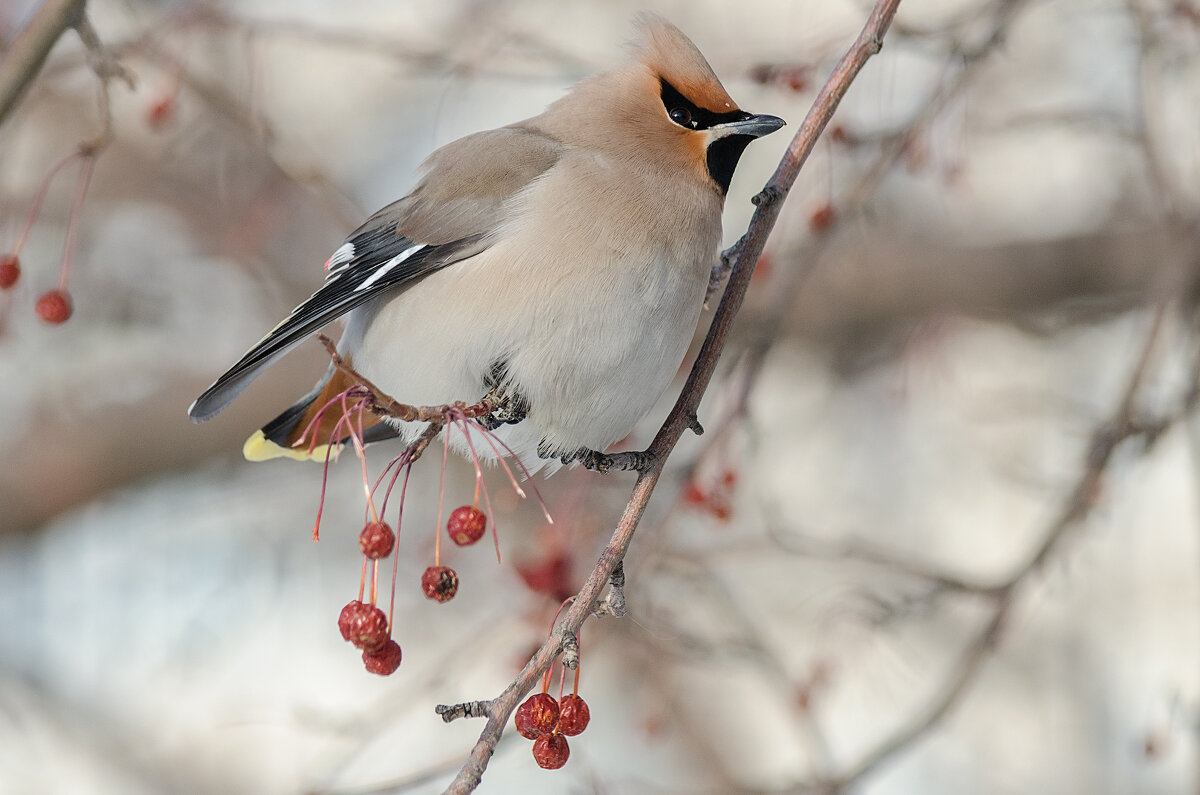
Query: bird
558	264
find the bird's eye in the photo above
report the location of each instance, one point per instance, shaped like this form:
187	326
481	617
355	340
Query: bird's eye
681	116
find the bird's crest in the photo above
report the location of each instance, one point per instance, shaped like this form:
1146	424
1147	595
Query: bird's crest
674	58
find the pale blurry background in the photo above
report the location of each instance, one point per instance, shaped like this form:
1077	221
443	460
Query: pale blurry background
904	412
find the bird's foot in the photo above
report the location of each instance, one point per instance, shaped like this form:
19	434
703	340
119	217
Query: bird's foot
635	460
507	408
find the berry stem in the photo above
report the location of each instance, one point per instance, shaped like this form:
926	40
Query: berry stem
356	435
362	580
375	581
399	521
316	536
437	536
35	206
493	440
486	495
487	437
81	187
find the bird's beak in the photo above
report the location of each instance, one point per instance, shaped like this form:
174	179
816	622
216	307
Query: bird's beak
755	126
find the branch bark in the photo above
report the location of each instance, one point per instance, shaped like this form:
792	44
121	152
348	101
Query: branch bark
24	59
682	416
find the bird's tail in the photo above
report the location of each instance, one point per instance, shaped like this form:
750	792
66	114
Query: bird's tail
305	431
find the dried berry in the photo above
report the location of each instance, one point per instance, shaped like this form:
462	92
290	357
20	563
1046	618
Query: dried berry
466	525
10	271
440	583
551	751
366	626
346	617
384	660
377	540
537	716
54	306
573	715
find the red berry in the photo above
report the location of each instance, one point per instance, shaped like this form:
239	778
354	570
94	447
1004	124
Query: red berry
384	660
54	306
537	716
466	525
366	626
840	135
346	617
720	510
796	80
551	575
822	218
440	583
377	540
10	271
551	751
573	715
694	495
159	112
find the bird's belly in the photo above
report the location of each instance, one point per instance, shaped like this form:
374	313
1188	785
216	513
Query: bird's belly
590	354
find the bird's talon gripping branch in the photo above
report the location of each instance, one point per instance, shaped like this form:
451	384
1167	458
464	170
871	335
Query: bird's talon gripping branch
629	460
506	408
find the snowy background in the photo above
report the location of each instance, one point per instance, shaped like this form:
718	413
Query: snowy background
938	364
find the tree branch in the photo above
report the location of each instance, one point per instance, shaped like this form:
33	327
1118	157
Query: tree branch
681	418
24	59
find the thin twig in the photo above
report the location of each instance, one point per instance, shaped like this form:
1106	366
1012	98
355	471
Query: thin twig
384	405
1108	435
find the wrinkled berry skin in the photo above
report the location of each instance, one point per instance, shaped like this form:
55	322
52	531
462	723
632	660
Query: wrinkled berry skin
466	525
384	660
551	751
366	626
537	716
376	540
439	583
573	715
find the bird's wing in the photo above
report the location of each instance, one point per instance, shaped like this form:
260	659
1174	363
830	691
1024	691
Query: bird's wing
448	217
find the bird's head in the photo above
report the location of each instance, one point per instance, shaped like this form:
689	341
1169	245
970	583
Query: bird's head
667	107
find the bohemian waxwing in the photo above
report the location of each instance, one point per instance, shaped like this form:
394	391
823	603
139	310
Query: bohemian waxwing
560	262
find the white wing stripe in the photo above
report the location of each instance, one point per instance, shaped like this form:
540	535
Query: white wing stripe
344	254
382	270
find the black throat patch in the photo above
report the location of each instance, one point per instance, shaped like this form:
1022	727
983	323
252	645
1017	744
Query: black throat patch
723	154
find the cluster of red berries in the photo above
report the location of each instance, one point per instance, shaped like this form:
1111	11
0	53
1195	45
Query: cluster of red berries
549	723
363	623
52	306
716	500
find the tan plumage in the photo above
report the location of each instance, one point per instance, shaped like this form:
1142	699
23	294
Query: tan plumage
564	258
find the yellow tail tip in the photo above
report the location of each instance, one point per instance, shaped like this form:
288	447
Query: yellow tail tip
259	448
